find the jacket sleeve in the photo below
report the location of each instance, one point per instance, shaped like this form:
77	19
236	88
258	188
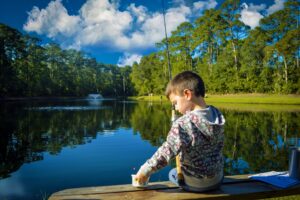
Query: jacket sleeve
169	149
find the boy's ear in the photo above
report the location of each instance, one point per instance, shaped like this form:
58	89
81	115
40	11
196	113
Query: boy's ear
188	94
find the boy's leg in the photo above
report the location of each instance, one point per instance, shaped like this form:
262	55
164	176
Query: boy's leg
204	188
173	177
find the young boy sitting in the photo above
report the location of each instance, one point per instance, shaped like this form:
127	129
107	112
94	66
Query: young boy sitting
197	137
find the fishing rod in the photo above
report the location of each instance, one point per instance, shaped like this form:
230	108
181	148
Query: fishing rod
167	42
173	117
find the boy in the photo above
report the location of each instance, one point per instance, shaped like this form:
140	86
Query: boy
197	137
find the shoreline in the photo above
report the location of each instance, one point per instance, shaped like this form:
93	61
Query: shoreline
236	98
271	99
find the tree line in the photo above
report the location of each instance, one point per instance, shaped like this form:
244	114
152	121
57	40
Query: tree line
30	69
230	57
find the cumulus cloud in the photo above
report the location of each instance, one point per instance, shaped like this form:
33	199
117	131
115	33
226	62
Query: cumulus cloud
278	5
250	15
52	21
139	12
129	59
152	30
200	6
133	29
102	23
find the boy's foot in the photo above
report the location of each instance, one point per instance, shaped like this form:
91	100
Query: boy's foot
173	177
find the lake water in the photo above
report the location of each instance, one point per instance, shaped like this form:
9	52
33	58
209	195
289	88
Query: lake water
50	146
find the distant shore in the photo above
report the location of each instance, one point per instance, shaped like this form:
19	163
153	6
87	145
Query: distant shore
236	98
37	98
290	99
48	98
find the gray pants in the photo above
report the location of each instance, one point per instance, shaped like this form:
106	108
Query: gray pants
173	179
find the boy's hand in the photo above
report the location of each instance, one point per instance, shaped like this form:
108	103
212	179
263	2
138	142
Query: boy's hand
141	178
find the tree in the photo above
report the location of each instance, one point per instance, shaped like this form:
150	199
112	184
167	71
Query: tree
252	61
148	76
283	36
235	29
11	49
208	37
181	48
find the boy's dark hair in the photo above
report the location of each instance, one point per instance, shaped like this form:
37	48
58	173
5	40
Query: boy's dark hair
186	80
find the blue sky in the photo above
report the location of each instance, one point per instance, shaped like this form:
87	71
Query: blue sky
115	32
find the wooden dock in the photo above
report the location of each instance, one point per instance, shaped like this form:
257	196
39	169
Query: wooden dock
233	187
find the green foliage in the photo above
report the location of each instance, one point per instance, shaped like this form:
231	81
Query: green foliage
30	69
229	56
11	50
149	76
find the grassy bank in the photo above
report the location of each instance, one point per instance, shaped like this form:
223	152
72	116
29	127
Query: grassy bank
238	98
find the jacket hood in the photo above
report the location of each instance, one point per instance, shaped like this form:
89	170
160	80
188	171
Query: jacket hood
209	121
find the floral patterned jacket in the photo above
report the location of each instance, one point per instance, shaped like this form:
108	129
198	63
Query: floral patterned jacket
198	138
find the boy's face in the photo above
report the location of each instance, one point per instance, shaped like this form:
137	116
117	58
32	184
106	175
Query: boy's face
182	103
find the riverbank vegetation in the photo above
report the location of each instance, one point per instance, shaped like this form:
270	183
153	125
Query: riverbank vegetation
231	58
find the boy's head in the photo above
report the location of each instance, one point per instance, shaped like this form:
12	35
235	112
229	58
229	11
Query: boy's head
186	80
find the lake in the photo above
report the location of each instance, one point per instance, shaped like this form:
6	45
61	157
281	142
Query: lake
47	146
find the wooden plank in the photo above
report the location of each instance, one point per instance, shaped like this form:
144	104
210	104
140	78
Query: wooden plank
115	188
129	188
234	187
259	190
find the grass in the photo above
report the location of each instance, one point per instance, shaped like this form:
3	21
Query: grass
237	98
257	107
255	99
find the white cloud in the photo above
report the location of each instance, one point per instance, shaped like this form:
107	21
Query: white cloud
200	6
52	21
152	30
102	23
250	14
139	12
129	59
278	5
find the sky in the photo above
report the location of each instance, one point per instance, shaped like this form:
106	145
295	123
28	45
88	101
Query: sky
115	31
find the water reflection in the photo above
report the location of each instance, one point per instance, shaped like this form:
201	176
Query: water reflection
295	142
256	141
95	101
27	133
260	139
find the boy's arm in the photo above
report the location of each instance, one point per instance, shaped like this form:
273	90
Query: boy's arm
165	153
